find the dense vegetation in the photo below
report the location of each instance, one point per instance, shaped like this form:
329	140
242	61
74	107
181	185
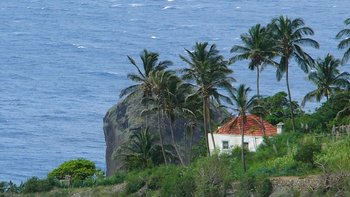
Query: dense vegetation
310	144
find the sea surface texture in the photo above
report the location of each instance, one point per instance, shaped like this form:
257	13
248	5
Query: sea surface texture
63	63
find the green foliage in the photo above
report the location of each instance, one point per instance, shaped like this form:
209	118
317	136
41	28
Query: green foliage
177	182
211	176
335	156
35	184
306	152
117	178
135	181
78	170
253	186
323	119
141	150
276	108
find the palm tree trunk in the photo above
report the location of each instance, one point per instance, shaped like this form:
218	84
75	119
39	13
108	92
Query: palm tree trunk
257	83
209	123
186	144
190	146
171	124
290	99
242	153
262	128
205	125
161	138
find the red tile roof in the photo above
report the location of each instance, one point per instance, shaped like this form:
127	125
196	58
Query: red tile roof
252	127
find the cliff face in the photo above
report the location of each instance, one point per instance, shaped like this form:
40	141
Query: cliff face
117	123
124	116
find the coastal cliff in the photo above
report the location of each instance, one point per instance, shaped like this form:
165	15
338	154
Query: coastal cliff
121	118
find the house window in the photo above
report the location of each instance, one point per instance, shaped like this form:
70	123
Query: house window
246	145
224	144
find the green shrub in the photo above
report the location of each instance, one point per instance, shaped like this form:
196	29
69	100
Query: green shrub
212	176
336	155
178	183
306	152
117	178
35	184
253	186
135	181
78	169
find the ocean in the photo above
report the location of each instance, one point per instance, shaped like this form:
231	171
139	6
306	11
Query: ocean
64	62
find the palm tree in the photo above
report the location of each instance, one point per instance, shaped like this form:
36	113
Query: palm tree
209	71
139	149
345	43
176	94
242	105
191	113
165	88
258	48
149	63
289	36
327	79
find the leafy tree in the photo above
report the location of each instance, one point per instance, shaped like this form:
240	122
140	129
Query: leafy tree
290	35
327	79
242	104
276	108
209	71
78	169
345	43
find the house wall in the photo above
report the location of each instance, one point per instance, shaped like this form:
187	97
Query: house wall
233	141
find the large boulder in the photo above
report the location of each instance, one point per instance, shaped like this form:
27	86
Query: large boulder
125	116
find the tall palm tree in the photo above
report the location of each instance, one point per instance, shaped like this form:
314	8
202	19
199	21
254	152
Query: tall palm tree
191	112
209	71
150	62
345	43
258	47
164	87
290	36
242	105
327	79
176	94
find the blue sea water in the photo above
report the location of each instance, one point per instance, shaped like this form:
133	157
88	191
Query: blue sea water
64	62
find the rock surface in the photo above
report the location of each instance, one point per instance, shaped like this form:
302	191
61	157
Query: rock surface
124	116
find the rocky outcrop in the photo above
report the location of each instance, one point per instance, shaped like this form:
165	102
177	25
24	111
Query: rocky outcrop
125	116
117	123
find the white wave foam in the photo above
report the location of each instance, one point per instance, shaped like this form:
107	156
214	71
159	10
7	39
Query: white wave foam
116	5
170	0
238	7
168	7
136	4
153	37
79	46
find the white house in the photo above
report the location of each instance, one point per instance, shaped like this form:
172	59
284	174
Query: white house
229	135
